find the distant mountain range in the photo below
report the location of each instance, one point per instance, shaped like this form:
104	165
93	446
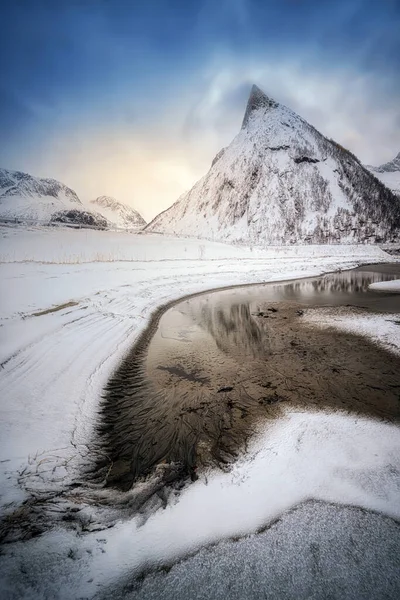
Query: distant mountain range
117	213
29	199
389	174
280	181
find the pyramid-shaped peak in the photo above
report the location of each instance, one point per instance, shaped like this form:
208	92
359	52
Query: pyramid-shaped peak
257	99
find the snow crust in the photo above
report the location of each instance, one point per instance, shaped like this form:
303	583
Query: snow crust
330	457
306	554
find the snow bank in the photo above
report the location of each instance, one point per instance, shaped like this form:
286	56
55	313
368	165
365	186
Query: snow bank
386	286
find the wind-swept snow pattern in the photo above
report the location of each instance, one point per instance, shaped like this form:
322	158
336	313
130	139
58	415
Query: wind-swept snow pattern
389	174
280	181
118	214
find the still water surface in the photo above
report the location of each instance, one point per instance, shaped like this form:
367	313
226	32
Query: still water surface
221	363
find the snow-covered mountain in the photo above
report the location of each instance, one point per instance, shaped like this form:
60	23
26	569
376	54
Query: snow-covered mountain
281	181
389	174
37	200
118	214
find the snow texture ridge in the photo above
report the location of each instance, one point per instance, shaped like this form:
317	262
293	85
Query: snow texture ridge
118	214
280	181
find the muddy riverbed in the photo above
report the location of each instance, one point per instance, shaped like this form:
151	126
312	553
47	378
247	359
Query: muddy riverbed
212	367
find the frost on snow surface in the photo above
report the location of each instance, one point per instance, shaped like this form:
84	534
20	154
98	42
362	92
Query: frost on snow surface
118	214
389	174
279	182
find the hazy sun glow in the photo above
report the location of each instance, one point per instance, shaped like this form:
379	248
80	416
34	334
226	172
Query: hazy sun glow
131	108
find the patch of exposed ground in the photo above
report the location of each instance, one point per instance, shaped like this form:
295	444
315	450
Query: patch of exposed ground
54	309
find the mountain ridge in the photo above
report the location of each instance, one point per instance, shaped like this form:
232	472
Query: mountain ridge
389	174
37	200
280	181
119	214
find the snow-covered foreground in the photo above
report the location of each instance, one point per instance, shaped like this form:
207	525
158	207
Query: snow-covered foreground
333	458
71	305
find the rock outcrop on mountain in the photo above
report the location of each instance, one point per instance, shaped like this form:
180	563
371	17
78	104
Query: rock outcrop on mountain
389	174
118	214
29	199
280	181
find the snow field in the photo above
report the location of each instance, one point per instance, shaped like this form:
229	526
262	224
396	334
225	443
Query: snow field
54	367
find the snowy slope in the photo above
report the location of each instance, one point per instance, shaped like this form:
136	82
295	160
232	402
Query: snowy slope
281	181
389	174
118	214
34	199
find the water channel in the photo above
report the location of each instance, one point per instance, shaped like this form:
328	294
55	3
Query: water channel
212	367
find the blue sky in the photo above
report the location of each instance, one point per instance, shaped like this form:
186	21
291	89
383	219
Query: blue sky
134	98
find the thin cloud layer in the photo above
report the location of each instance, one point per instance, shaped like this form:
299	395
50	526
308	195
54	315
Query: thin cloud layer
135	101
149	166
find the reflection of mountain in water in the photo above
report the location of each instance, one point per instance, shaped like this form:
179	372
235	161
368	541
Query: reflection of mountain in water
337	283
233	328
237	333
